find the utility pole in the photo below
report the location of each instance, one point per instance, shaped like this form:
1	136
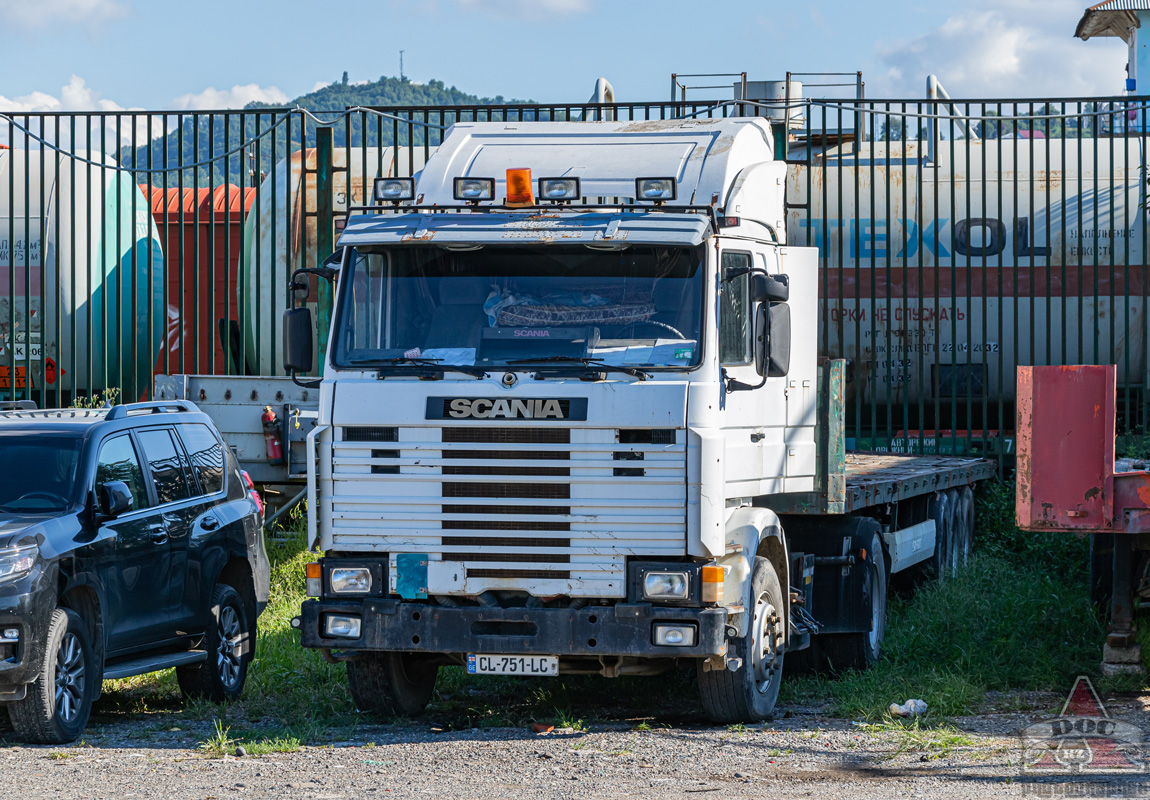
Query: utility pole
401	64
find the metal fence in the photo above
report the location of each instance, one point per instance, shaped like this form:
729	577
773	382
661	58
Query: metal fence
958	240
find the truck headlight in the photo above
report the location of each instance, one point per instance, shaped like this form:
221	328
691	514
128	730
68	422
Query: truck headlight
666	586
341	626
350	580
16	562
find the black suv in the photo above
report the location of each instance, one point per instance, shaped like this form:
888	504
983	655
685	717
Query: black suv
130	541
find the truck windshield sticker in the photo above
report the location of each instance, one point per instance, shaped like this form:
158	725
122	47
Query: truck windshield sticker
541	408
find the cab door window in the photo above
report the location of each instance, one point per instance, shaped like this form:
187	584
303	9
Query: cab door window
165	465
118	462
735	311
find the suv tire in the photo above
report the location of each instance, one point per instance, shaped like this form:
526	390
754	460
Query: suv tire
229	642
56	707
391	684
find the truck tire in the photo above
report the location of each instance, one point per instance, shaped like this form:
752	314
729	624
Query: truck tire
862	649
749	693
56	707
230	649
391	684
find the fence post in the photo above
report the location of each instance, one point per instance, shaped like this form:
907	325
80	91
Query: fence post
325	229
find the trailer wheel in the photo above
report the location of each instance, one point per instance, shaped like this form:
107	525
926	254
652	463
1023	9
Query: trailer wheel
862	649
964	537
1102	571
748	694
391	684
942	514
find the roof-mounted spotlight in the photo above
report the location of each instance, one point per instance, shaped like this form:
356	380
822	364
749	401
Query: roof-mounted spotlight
659	190
473	190
559	190
394	190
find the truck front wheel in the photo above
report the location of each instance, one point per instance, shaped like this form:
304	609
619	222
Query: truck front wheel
748	694
391	684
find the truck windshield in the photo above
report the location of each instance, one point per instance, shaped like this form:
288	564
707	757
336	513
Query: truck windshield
499	306
41	478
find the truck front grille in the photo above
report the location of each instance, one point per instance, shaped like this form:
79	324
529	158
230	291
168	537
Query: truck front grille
544	509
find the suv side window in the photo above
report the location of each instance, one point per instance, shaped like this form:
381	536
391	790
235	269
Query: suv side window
118	462
735	312
206	454
165	465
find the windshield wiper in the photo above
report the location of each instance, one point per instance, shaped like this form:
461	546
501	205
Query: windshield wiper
587	362
434	363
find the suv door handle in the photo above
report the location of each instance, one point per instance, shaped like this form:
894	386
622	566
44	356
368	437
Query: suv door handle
210	523
159	534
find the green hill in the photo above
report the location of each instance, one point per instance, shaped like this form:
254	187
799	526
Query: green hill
209	139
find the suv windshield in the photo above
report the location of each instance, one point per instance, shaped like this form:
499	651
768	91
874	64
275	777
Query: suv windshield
494	306
41	474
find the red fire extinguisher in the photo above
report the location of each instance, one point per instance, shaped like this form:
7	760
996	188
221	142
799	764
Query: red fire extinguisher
271	423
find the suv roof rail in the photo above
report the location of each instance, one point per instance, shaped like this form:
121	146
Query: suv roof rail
17	405
159	407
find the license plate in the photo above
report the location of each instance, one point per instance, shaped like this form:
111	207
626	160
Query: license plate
513	665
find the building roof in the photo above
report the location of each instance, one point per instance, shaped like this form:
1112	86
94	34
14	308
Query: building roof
1111	18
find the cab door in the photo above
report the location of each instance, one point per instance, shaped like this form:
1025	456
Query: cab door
136	576
744	414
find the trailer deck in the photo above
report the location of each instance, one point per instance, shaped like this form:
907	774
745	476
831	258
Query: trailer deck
851	481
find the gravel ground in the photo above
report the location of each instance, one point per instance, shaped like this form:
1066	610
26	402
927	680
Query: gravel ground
803	755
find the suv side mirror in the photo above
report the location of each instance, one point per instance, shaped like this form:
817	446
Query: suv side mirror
297	340
114	498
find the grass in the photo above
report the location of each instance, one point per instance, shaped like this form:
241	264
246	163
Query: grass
935	741
1018	618
290	691
220	743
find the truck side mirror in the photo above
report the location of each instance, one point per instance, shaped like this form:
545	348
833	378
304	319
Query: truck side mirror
762	343
778	340
114	498
770	288
298	340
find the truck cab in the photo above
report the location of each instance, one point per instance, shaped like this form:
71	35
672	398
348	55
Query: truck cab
566	365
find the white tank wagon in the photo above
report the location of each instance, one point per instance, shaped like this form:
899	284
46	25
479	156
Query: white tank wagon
941	274
280	235
81	277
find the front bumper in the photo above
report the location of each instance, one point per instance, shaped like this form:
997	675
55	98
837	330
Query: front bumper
620	630
29	609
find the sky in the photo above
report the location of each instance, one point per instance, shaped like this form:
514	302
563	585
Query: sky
66	55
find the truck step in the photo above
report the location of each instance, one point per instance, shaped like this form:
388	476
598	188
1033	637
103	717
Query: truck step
153	663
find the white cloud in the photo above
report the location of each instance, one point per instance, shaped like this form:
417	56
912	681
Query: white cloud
530	9
78	96
75	96
1004	48
39	13
236	97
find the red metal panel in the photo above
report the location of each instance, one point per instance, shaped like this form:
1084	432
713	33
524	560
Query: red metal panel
1065	431
221	214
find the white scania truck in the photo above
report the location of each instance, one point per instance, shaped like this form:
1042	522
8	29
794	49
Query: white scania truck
572	419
